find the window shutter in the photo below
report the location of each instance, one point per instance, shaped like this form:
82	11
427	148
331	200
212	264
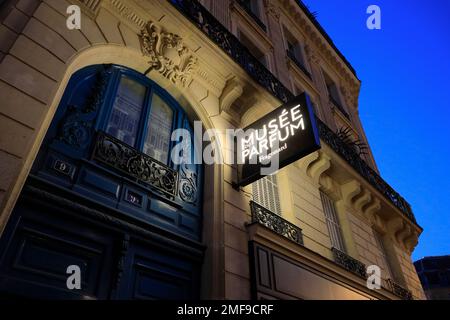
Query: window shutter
387	266
265	193
332	221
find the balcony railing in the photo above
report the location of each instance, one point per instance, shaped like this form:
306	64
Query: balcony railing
135	164
399	291
338	106
275	223
349	263
298	64
212	28
246	6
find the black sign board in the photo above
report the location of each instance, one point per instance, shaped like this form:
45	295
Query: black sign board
276	140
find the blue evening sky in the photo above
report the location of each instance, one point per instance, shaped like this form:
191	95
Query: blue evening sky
404	101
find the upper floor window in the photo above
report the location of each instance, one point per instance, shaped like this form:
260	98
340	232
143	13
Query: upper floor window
127	111
142	118
333	93
265	193
386	265
252	7
295	52
334	228
254	50
159	130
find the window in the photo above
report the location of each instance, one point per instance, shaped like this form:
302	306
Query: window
143	116
265	193
254	50
386	265
294	50
252	6
127	111
159	130
332	221
333	94
332	89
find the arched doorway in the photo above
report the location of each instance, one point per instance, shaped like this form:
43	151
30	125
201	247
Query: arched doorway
104	195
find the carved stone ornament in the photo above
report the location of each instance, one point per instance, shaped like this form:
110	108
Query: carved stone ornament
272	9
168	55
348	95
312	54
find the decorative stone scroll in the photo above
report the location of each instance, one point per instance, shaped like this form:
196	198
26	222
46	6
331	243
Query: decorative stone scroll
168	54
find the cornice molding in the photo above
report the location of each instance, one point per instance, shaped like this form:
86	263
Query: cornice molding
318	44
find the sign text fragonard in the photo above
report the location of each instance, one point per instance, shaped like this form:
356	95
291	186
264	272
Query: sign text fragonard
276	140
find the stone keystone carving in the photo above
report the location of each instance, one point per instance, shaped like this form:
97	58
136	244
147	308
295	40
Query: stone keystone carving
167	54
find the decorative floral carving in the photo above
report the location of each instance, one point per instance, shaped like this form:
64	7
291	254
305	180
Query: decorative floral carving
349	97
168	55
272	9
312	54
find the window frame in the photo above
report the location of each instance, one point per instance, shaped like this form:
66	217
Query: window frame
261	193
151	89
332	218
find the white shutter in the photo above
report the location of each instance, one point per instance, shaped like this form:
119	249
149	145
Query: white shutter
387	266
332	221
265	193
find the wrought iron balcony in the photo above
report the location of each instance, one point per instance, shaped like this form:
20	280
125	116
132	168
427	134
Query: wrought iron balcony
246	6
206	22
298	64
399	291
275	223
338	106
212	28
135	164
350	155
349	263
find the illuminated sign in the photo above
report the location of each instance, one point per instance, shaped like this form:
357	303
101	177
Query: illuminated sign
276	140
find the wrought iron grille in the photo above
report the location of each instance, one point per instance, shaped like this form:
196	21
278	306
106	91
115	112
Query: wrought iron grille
132	162
275	223
215	31
349	263
399	291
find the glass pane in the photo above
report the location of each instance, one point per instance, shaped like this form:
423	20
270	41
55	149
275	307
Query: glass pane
127	109
159	130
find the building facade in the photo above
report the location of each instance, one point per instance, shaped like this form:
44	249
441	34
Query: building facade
86	180
434	274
